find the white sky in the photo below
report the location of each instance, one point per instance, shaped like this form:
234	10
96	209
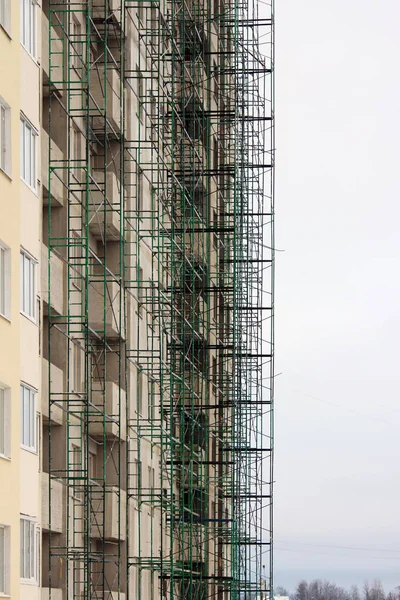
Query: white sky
338	290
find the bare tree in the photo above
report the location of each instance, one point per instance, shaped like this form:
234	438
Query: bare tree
374	591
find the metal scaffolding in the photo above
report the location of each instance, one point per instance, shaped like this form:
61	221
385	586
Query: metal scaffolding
160	122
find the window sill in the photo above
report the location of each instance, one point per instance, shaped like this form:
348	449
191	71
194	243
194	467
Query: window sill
4	595
8	34
6	318
8	458
35	60
28	582
31	319
33	190
31	451
6	174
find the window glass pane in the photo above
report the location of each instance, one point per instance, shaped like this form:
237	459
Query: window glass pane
33	299
33	29
29	290
28	154
32	551
3	114
27	546
21	420
2	281
26	283
21	281
26	417
21	548
2	559
22	149
2	424
33	160
37	554
32	419
22	21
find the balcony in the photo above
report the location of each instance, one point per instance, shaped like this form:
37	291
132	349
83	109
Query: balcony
109	595
115	419
113	528
105	208
113	14
106	317
57	390
56	282
56	593
56	524
56	59
57	158
195	544
105	101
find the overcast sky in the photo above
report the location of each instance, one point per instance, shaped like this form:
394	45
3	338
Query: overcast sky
338	290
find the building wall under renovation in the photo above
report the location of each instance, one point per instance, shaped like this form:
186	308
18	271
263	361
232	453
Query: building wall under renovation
130	212
10	320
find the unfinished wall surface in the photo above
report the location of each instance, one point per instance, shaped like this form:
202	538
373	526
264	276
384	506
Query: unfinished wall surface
150	221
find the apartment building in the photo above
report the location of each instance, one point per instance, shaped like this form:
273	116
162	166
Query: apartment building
136	299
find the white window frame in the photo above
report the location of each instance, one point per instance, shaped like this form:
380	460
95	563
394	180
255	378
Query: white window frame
77	366
28	26
28	307
28	152
5	422
29	550
5	281
76	260
28	434
5	136
5	15
77	46
5	560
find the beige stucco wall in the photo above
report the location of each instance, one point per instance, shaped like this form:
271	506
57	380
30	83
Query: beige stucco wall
10	330
30	240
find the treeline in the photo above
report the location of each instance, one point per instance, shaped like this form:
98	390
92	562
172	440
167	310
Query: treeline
319	589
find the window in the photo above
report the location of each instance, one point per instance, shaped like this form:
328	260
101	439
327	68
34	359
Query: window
214	374
141	291
139	92
139	391
5	14
5	276
28	26
77	43
38	424
215	312
28	153
28	285
4	559
5	423
215	234
76	260
215	156
77	366
77	152
140	13
29	546
216	83
28	417
151	479
139	190
151	400
5	136
92	465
